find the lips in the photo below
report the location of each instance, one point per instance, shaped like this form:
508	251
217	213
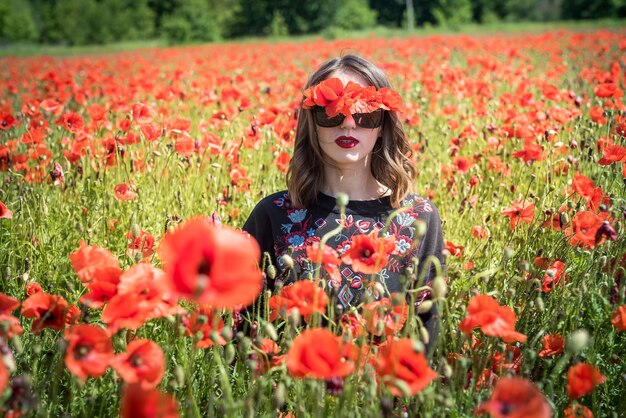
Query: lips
346	142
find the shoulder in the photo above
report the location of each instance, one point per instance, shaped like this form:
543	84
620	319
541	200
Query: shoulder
273	204
278	200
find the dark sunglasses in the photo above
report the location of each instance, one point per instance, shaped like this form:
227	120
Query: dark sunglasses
370	120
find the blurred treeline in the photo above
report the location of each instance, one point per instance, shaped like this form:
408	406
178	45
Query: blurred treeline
80	22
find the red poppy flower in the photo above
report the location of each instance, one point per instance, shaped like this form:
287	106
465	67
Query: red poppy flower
582	232
515	397
398	361
143	243
282	161
581	379
147	403
100	292
124	311
304	296
327	258
618	319
8	303
4	377
390	99
553	345
353	323
142	363
612	153
268	355
531	151
577	411
32	288
369	254
520	211
211	265
555	274
499	321
317	353
453	249
71	121
596	114
150	286
7	121
142	113
49	311
391	313
9	326
52	106
607	90
5	212
323	93
479	232
203	324
93	262
88	352
123	191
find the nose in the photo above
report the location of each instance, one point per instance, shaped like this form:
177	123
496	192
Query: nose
348	123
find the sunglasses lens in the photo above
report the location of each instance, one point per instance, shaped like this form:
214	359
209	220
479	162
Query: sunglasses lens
325	121
369	120
364	120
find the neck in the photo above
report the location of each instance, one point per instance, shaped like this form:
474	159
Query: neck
357	182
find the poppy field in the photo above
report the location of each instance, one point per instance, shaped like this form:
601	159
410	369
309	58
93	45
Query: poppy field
127	288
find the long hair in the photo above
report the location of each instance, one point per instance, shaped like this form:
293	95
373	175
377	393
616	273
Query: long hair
391	163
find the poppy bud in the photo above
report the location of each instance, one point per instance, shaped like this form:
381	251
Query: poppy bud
508	253
397	299
439	288
447	371
605	230
271	271
380	327
244	346
229	353
424	336
425	306
540	304
577	341
334	386
179	373
135	230
420	228
17	344
227	333
294	318
342	200
402	386
270	331
288	261
279	395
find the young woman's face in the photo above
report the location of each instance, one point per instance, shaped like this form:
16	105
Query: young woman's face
347	145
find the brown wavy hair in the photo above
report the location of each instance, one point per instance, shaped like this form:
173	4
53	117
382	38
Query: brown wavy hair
391	162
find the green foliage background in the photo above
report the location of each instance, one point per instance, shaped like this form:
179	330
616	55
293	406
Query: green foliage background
87	22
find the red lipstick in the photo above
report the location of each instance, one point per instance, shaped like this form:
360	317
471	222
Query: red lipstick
347	141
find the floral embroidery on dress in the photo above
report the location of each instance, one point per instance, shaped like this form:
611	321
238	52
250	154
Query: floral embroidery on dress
301	227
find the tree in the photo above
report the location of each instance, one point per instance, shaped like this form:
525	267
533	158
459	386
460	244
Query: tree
353	15
452	12
191	20
16	21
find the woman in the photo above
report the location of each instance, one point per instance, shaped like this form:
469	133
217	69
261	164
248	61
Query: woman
350	141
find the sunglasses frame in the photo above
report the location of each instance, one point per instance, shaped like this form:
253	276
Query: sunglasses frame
341	117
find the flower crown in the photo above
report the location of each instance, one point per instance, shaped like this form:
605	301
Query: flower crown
353	98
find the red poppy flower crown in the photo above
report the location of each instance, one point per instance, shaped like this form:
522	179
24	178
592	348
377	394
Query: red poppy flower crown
351	98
